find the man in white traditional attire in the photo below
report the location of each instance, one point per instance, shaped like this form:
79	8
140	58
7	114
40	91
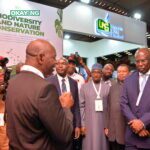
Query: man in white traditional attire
93	107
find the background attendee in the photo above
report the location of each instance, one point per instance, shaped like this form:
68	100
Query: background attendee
71	71
82	68
135	103
35	118
116	121
63	83
3	136
108	70
93	99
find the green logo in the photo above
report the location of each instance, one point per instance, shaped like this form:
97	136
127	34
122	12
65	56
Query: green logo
102	25
25	12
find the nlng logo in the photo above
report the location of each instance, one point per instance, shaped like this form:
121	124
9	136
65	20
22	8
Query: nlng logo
102	25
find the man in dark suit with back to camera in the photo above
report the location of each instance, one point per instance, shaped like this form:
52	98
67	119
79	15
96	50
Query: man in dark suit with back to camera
135	103
35	117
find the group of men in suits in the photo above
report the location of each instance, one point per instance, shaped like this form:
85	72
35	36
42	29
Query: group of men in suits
45	114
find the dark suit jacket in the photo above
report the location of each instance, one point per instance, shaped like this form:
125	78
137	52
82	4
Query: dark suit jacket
131	111
35	118
116	120
74	91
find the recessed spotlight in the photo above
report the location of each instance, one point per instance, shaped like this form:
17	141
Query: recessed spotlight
103	4
137	16
67	36
100	3
85	1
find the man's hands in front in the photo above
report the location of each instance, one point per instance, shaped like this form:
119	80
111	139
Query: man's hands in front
137	127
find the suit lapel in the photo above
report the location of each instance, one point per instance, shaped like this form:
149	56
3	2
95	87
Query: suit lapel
57	84
136	85
146	88
71	86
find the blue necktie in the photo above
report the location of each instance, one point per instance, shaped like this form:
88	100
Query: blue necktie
64	88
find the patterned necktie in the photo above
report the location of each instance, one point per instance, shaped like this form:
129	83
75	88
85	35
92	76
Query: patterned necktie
64	88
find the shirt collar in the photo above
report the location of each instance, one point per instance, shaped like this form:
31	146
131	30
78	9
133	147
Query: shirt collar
147	73
32	69
60	77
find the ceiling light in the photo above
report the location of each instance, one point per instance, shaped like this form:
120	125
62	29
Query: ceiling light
137	16
103	4
85	1
100	3
104	58
67	36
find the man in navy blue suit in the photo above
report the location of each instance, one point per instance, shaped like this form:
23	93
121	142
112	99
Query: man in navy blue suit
65	84
135	103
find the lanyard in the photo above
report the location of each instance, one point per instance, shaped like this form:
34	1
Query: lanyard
99	90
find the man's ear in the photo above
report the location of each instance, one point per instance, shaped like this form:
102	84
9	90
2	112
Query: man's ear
40	58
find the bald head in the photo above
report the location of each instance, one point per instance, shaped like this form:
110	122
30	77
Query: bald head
142	58
41	55
143	51
38	46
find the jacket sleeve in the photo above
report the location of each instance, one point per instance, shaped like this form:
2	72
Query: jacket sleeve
77	110
124	103
82	106
53	116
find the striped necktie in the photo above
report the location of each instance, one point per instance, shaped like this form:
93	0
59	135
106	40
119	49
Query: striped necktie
64	88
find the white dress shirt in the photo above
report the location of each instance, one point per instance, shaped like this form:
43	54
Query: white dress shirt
141	78
80	80
32	69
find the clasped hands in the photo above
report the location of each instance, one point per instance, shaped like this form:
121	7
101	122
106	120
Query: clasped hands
137	127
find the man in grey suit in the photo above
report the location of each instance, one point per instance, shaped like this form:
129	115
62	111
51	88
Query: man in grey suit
135	103
116	121
35	118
